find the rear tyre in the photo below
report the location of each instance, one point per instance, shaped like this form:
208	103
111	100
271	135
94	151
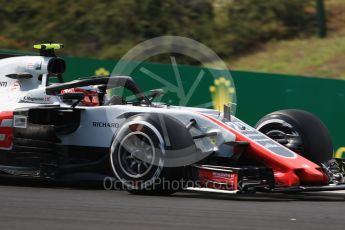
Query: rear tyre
300	131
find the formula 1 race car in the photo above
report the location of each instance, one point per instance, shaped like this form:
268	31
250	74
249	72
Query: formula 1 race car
67	130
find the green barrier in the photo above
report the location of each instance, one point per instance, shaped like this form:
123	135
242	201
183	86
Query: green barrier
257	93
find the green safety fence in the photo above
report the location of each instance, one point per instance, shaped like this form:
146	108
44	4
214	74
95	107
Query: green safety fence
257	93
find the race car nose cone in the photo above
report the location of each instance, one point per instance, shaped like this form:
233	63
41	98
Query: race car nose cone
311	176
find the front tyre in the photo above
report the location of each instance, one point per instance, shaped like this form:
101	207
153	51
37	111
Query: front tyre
300	131
137	159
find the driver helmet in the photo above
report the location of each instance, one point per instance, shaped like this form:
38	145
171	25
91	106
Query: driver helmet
91	95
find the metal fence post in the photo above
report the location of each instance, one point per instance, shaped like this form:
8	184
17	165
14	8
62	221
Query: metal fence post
321	18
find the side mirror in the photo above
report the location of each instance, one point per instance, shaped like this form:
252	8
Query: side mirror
73	96
78	96
155	93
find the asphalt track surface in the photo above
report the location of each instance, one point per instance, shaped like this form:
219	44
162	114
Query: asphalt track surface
40	207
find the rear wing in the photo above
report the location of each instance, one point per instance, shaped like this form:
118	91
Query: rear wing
46	50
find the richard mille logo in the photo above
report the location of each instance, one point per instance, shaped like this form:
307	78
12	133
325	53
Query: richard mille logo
99	124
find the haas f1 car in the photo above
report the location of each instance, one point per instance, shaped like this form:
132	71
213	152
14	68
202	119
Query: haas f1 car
59	130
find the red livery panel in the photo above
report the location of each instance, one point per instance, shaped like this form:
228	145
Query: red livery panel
218	180
6	136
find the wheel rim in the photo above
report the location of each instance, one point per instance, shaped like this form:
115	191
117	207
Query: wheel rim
285	134
136	154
